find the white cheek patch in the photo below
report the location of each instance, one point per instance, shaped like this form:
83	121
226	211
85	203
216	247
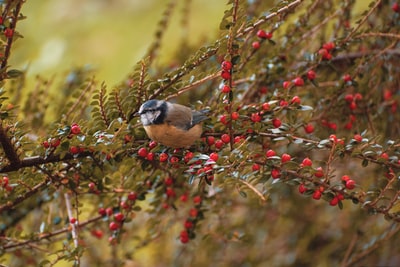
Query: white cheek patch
150	117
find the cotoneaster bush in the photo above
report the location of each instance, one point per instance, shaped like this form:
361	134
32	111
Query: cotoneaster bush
298	164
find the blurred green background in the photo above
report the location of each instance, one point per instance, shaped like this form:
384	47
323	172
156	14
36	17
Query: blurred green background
111	36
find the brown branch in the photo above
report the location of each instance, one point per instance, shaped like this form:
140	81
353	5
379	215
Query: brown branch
8	147
38	160
12	26
268	17
11	204
194	85
361	22
48	235
375	246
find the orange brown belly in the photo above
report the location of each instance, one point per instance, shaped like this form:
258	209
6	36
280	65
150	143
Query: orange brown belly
171	136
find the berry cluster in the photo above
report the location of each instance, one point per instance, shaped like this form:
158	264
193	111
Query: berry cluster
326	51
195	214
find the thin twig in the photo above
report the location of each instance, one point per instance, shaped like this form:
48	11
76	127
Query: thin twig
361	22
254	189
74	229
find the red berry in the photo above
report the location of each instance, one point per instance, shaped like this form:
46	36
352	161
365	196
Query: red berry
150	156
226	138
298	81
334	201
286	84
261	34
184	237
8	32
317	194
219	144
350	184
237	139
197	200
188	224
307	162
188	156
170	192
174	160
163	157
270	153
226	65
214	156
329	46
193	212
102	211
275	173
285	158
235	116
142	152
302	189
210	140
75	129
169	181
387	95
384	156
358	138
113	226
92	186
347	78
119	217
353	105
74	150
265	106
263	89
223	119
325	54
109	211
269	35
349	98
72	220
340	196
255	117
97	233
256	44
184	197
296	100
132	196
152	144
333	138
319	172
283	103
333	126
345	178
46	144
311	75
276	122
309	128
358	96
55	142
255	167
226	75
396	7
225	89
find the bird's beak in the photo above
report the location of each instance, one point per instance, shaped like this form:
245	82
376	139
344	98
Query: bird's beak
136	114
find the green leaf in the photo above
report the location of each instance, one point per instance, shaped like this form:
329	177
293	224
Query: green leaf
14	73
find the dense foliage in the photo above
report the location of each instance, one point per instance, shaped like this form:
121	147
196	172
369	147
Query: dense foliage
299	163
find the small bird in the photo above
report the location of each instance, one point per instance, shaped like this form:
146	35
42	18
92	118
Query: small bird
170	124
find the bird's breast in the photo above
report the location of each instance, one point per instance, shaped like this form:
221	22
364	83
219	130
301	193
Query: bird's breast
171	136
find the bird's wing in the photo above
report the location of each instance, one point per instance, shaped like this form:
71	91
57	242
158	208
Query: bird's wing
199	116
180	116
